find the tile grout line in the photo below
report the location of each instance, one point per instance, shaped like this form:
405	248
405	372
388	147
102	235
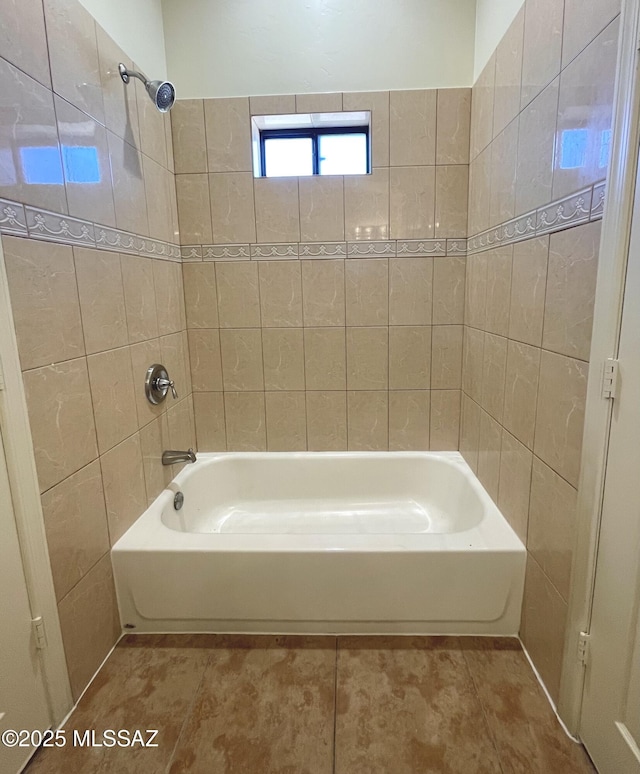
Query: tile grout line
188	713
481	330
483	710
535	417
304	358
223	392
93	418
536	456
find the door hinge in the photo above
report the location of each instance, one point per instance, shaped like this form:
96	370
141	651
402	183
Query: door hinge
584	641
39	633
610	379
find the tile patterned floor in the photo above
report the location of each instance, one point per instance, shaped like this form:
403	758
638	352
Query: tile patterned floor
319	705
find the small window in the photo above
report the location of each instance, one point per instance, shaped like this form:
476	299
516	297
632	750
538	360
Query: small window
314	144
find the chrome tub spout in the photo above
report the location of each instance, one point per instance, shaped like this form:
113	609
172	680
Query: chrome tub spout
172	457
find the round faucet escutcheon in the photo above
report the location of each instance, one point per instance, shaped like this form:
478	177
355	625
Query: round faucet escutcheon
157	384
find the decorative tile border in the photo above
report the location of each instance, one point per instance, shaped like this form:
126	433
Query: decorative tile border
112	239
26	221
519	229
597	201
274	252
573	210
12	218
415	247
484	241
59	228
456	246
190	253
36	223
225	253
322	249
366	249
363	249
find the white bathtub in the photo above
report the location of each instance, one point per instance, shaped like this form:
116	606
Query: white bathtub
322	543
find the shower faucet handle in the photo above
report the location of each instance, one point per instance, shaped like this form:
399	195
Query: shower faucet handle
165	384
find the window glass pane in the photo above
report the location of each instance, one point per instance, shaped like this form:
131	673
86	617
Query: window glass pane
288	156
343	154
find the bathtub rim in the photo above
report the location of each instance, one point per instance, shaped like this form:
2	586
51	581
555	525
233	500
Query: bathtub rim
150	533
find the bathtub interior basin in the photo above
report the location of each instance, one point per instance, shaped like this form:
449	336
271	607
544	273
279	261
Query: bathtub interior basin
325	494
359	543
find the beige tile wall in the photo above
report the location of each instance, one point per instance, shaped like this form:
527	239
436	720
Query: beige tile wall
529	306
326	354
90	322
418	186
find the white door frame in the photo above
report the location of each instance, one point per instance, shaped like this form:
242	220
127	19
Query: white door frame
614	251
27	508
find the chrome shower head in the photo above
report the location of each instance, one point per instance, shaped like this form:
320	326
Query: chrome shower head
162	93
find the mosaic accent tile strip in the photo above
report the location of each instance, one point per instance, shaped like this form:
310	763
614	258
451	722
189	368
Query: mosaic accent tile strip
580	207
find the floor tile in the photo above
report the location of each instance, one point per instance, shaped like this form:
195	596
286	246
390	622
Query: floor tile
525	729
265	706
148	682
407	706
227	704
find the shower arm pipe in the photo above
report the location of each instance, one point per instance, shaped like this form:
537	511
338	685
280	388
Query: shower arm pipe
126	74
162	93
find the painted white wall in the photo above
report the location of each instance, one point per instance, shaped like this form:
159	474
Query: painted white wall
137	27
223	48
493	18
